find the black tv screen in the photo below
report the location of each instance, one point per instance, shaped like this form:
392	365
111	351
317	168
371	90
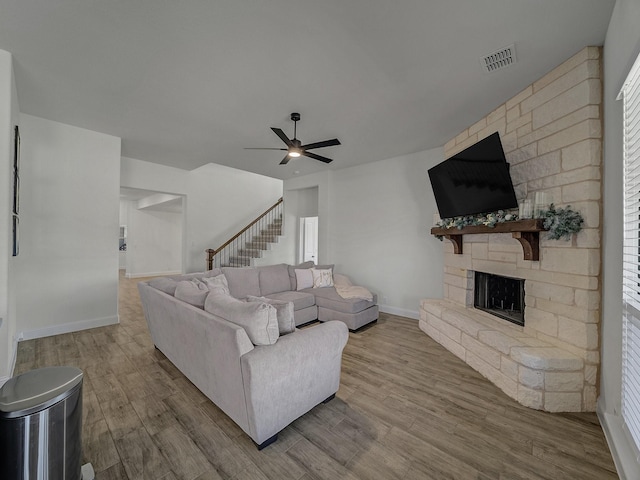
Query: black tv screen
475	180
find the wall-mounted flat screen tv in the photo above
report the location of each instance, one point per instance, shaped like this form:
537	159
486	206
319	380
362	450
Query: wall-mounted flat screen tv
473	181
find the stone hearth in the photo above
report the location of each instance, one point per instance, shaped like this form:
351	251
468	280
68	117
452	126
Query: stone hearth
552	136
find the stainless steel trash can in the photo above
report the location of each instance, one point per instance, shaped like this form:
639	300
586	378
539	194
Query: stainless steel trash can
41	425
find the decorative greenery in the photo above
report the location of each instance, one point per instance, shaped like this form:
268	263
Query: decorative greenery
562	222
486	219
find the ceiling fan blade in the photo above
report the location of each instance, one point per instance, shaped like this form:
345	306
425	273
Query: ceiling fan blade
326	143
283	137
317	157
266	148
285	160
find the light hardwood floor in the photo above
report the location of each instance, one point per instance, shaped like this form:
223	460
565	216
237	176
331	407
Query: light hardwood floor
406	409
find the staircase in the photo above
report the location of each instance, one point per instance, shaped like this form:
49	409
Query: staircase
250	242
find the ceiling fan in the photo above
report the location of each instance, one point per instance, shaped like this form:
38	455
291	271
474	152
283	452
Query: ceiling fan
294	146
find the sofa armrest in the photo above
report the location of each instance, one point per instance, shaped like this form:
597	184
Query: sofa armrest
287	379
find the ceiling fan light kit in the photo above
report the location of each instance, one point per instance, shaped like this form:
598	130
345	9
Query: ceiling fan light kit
295	148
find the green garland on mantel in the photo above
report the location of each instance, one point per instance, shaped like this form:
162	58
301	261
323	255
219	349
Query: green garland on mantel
560	222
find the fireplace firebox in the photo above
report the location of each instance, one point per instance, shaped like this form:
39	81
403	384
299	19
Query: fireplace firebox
500	296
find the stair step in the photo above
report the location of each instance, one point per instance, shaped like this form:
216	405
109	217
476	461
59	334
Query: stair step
251	252
262	239
239	261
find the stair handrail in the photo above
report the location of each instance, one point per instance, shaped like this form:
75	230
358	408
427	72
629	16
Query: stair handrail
211	252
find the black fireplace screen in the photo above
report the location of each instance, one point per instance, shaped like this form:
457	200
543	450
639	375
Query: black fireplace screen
500	296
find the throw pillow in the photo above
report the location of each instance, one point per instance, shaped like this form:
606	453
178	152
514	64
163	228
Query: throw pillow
304	278
284	313
167	285
292	273
214	272
217	282
322	277
324	267
192	291
258	319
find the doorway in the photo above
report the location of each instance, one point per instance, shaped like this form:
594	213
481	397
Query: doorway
308	246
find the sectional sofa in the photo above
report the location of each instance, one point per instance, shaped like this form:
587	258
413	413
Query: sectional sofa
280	282
261	370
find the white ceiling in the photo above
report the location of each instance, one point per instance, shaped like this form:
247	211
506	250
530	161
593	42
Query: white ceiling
189	82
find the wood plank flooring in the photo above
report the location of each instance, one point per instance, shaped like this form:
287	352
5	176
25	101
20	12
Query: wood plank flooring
406	409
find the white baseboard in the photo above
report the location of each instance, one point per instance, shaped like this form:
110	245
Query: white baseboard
68	327
402	312
624	455
12	367
151	274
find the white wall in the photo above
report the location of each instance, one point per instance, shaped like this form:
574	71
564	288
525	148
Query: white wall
622	45
154	242
218	201
67	271
9	117
379	215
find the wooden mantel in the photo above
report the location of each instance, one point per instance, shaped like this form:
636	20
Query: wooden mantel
527	232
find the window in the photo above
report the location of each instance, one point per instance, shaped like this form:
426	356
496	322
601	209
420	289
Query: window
631	257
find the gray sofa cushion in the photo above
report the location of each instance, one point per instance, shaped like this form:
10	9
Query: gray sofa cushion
164	284
328	298
284	312
243	281
274	279
300	299
192	291
353	320
258	319
292	273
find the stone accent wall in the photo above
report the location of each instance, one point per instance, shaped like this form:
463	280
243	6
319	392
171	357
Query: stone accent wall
552	136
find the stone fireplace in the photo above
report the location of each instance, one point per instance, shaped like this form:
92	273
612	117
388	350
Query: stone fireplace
552	136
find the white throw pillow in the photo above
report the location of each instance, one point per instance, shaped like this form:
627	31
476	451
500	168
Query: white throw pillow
322	278
304	278
258	319
217	282
284	313
192	291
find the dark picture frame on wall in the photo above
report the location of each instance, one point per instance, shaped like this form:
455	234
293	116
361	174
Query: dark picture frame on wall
16	226
16	172
16	191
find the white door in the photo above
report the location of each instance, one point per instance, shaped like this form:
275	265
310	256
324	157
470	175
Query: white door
309	238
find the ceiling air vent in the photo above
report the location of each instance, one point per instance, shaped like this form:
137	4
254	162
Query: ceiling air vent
503	58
